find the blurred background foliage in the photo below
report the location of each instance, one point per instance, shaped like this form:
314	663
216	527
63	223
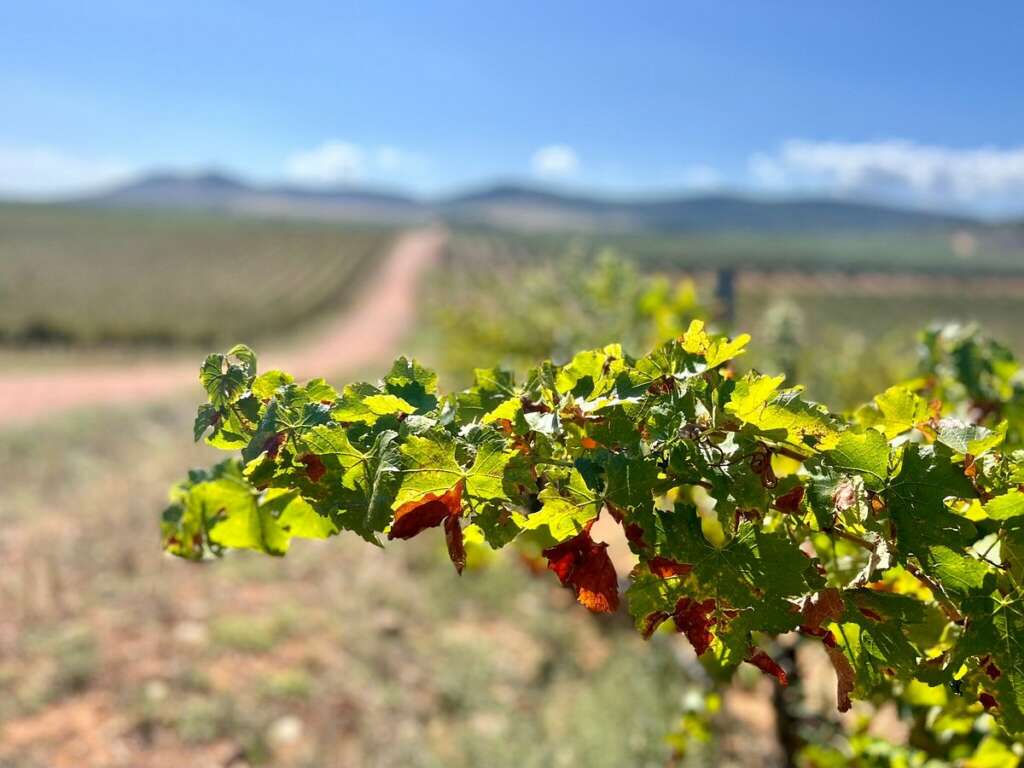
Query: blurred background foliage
340	656
497	302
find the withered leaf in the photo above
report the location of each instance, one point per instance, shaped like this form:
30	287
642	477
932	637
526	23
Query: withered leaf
826	605
456	545
427	512
694	620
845	675
315	468
584	565
767	664
666	567
790	500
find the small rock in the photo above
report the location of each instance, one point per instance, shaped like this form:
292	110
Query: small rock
284	732
190	633
156	691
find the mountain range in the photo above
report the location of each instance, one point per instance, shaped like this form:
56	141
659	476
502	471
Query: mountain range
523	207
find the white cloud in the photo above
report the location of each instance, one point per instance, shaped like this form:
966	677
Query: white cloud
344	162
555	160
332	162
702	177
982	176
41	172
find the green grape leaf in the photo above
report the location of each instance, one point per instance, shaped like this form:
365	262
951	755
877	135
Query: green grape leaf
364	500
239	517
966	438
652	599
485	478
924	525
266	384
581	373
901	410
871	635
752	569
492	388
714	350
364	403
865	454
566	507
995	630
757	401
1005	506
296	517
413	383
207	416
323	440
429	468
498	524
632	483
225	380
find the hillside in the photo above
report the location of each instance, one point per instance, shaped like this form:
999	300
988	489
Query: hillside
520	207
525	208
219	192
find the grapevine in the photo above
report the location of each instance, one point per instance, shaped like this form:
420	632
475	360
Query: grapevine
894	536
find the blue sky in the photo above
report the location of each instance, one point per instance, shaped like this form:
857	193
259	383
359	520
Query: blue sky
918	102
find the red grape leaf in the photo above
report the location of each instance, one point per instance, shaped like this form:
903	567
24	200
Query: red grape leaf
845	675
694	620
273	444
767	664
315	468
426	512
652	622
790	501
456	547
584	565
826	605
666	567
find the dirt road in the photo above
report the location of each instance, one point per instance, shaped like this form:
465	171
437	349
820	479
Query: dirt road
365	333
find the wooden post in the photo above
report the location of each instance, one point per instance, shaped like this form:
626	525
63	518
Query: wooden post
725	297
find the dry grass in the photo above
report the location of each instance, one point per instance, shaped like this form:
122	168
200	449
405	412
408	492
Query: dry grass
338	655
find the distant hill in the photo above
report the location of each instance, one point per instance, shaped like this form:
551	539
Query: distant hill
160	190
522	207
526	208
219	192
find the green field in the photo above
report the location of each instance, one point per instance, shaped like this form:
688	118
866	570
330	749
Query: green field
845	333
91	277
998	250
